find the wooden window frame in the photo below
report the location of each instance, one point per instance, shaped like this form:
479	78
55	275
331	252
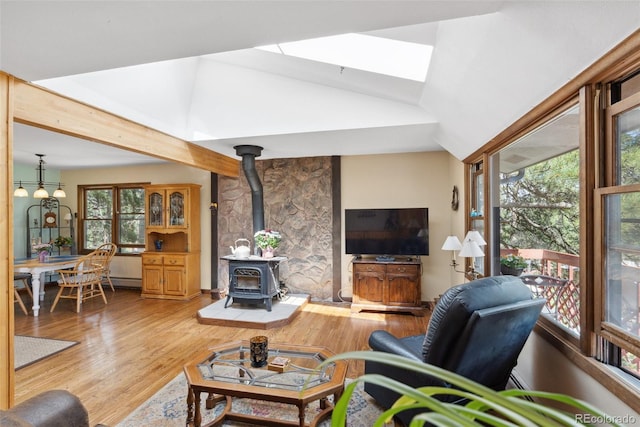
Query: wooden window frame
115	188
607	330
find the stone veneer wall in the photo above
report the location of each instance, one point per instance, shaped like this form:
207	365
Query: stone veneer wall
298	204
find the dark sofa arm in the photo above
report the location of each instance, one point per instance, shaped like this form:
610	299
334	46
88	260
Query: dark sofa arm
54	408
409	347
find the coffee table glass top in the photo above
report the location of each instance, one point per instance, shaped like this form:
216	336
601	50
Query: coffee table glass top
233	365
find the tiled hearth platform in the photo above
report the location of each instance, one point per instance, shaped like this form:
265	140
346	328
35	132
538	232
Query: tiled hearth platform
254	316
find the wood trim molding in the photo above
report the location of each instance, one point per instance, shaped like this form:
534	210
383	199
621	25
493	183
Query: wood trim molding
588	122
7	375
36	106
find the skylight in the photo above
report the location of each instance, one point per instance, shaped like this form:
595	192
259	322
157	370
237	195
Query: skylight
396	58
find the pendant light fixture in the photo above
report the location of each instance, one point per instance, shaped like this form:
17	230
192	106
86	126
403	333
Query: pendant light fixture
21	191
59	192
41	192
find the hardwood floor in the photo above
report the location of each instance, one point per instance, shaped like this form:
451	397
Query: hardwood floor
131	347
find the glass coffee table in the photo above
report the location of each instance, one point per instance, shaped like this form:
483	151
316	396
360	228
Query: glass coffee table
225	371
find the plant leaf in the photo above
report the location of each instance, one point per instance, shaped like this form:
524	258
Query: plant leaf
484	406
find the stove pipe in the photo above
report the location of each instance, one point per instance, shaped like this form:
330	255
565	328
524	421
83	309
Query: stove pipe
249	154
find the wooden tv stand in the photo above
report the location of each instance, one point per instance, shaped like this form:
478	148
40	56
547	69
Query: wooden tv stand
387	285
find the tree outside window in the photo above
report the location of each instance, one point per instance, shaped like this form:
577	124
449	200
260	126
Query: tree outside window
131	219
540	220
113	213
540	209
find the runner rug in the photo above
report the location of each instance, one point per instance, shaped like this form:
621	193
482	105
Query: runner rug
168	408
28	350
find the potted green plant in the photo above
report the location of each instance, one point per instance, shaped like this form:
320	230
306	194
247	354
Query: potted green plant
62	241
512	265
484	407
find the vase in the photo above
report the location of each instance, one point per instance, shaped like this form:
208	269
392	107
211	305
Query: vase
158	245
267	253
42	256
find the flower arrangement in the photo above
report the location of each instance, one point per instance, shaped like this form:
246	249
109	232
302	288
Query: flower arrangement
267	239
42	247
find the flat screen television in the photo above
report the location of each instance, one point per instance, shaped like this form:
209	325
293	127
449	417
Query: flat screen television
387	232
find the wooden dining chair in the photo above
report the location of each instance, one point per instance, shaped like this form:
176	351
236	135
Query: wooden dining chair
82	282
24	278
103	256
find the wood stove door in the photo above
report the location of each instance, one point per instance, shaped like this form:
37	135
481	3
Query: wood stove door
246	281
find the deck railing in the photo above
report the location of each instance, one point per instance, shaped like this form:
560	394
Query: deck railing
556	277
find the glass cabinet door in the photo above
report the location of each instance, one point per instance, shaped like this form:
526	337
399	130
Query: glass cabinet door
176	208
156	214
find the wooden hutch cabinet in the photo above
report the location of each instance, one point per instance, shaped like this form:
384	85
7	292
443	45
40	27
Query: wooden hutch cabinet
171	260
387	286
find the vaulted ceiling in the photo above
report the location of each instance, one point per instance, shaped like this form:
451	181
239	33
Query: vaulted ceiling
189	68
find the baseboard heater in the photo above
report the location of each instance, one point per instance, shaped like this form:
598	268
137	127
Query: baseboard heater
516	382
127	282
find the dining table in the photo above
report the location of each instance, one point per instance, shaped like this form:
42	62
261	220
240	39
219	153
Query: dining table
38	269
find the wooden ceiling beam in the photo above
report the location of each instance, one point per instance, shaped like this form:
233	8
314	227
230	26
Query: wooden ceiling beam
39	107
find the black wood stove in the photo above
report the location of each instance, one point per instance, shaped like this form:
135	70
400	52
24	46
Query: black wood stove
253	280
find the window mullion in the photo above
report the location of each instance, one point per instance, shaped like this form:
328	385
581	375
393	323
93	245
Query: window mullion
115	229
620	337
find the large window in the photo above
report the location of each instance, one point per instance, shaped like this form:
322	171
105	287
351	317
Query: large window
618	204
112	213
564	193
536	213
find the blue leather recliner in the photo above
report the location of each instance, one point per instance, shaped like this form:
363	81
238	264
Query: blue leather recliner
476	330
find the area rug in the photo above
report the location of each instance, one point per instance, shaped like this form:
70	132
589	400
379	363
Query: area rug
28	350
168	408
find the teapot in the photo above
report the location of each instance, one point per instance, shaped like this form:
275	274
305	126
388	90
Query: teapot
241	251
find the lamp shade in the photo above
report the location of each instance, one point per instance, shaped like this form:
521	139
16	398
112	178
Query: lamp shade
59	193
21	191
40	193
475	236
452	243
68	217
470	249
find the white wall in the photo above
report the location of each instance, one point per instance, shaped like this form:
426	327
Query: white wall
165	173
408	180
542	367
